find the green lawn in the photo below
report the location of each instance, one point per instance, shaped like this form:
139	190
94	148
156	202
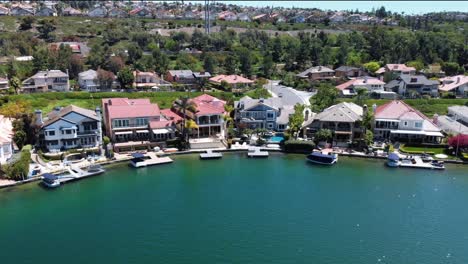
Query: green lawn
47	101
427	150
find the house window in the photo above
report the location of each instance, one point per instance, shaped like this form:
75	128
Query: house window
120	123
418	124
68	131
270	125
406	123
51	133
142	121
270	115
281	127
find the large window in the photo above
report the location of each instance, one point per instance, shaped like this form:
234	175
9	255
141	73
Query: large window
120	123
51	133
270	115
418	124
141	121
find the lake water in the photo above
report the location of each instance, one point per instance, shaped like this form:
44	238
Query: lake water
239	210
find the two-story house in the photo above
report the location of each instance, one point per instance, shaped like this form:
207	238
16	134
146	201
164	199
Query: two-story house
148	80
317	73
350	87
181	76
411	85
135	123
70	127
392	71
43	81
457	85
400	122
208	114
235	82
343	119
6	139
349	72
88	81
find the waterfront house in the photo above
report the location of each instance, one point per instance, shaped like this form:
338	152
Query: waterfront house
208	115
411	85
46	11
395	70
148	80
98	12
235	82
6	139
317	73
457	85
4	86
398	121
117	12
135	123
70	11
349	72
343	119
227	16
271	113
88	81
70	127
43	81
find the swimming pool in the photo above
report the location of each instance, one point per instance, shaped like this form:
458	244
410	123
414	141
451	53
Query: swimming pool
276	139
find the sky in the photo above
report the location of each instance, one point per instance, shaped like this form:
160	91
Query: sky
409	7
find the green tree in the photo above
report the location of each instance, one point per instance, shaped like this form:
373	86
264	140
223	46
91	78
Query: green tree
451	68
134	53
125	78
323	135
361	96
15	84
19	138
26	23
182	105
372	66
267	66
418	65
231	64
246	61
46	27
209	63
326	96
296	120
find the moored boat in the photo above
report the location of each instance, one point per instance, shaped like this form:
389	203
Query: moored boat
394	160
209	154
50	180
255	152
320	157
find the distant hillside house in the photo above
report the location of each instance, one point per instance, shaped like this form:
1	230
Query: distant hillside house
98	12
148	80
140	12
43	81
117	12
187	77
400	122
243	17
372	85
70	127
70	11
317	73
396	70
234	81
457	85
349	72
227	16
79	48
88	81
22	11
46	11
344	119
4	86
411	85
4	11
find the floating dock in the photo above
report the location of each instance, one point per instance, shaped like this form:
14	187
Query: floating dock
256	152
211	155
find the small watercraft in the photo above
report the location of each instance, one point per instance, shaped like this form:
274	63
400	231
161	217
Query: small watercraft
320	157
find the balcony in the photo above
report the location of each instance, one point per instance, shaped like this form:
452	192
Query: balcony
87	132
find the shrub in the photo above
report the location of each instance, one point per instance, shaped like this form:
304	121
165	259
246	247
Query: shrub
298	146
19	169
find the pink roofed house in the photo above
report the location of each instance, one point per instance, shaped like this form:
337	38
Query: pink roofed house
208	115
455	84
398	121
234	81
398	69
350	87
134	123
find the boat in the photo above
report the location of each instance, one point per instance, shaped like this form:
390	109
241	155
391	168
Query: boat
91	170
50	180
255	152
394	160
211	155
149	159
320	157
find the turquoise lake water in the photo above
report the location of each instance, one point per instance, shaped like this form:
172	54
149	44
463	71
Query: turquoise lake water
239	210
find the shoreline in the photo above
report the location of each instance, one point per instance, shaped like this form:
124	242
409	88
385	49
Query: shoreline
198	151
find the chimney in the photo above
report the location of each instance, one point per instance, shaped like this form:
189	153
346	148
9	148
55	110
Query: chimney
458	79
262	100
57	109
319	68
435	119
38	114
365	79
374	108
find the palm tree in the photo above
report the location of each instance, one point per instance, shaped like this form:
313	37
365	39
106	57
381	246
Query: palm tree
229	121
182	105
15	84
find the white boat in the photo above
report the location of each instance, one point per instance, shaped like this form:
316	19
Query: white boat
394	160
320	157
149	159
50	180
89	171
255	152
211	155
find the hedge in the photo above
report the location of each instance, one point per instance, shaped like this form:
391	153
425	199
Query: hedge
19	169
298	146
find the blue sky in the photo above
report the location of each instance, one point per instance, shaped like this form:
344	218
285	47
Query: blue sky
409	7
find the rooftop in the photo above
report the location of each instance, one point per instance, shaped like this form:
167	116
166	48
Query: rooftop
56	115
231	79
130	108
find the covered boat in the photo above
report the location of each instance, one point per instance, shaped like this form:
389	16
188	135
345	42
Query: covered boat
50	180
320	157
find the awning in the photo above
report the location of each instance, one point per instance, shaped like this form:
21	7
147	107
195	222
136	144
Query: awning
412	132
142	131
124	133
161	131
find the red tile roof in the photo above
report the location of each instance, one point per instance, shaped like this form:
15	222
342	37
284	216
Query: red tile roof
397	109
161	124
207	104
130	108
169	114
231	79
